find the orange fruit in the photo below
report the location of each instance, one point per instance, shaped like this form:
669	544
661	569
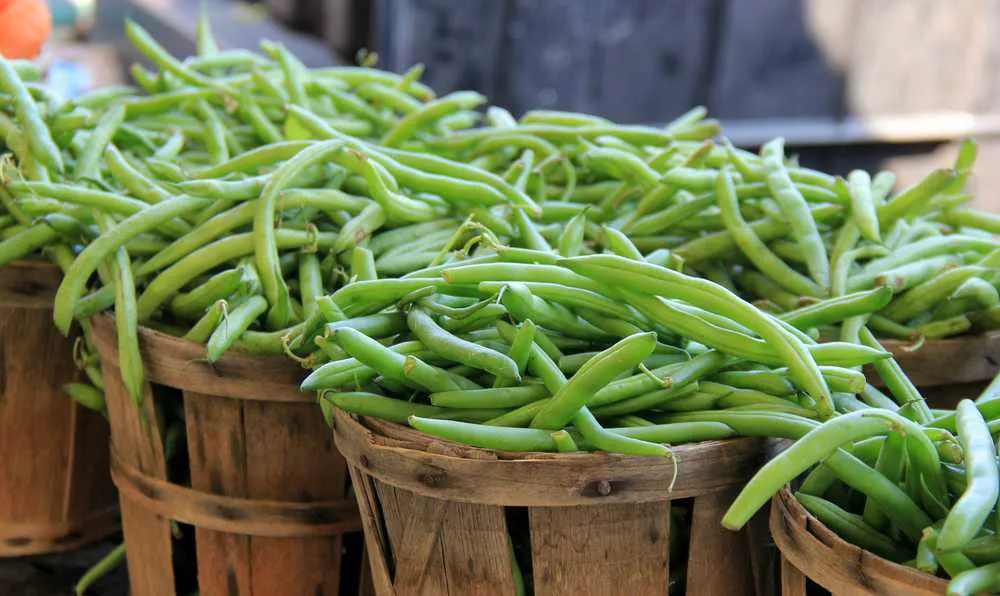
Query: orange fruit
25	25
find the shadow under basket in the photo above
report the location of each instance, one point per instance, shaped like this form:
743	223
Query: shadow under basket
947	370
447	519
262	485
55	492
810	551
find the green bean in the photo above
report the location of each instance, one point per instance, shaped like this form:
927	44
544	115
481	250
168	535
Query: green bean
126	320
132	180
73	283
540	364
945	327
571	240
914	198
819	443
975	581
623	165
677	433
37	133
597	373
192	304
970	511
373	326
522	305
760	380
215	132
111	561
911	274
796	211
505	397
604	440
761	285
906	394
26	241
362	264
171	279
851	527
233	325
86	396
837	309
619	272
143	42
863	206
87	166
486	436
395	366
564	444
926	295
84	197
767	229
757	251
371	404
202	330
890	463
460	350
520	350
265	248
428	113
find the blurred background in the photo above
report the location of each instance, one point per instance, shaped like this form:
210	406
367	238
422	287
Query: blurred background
848	83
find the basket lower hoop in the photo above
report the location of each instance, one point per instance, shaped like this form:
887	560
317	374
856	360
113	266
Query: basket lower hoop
810	550
267	487
56	495
437	516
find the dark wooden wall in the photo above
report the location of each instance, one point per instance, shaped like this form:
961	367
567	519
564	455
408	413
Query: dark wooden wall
645	60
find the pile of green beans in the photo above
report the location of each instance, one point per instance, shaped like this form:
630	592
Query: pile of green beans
554	282
526	350
779	234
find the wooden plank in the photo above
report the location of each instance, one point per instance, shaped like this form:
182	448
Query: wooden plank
569	479
217	455
608	549
414	525
149	560
475	550
90	487
291	456
637	61
713	548
766	70
136	440
793	583
35	421
345	26
460	42
947	50
375	568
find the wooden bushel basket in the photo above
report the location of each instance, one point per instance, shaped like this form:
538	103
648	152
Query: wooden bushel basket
267	487
947	370
437	516
55	493
810	550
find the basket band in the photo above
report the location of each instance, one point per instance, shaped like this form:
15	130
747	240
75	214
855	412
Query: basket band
234	515
37	538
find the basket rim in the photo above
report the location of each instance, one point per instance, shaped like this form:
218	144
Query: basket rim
180	363
408	459
799	535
